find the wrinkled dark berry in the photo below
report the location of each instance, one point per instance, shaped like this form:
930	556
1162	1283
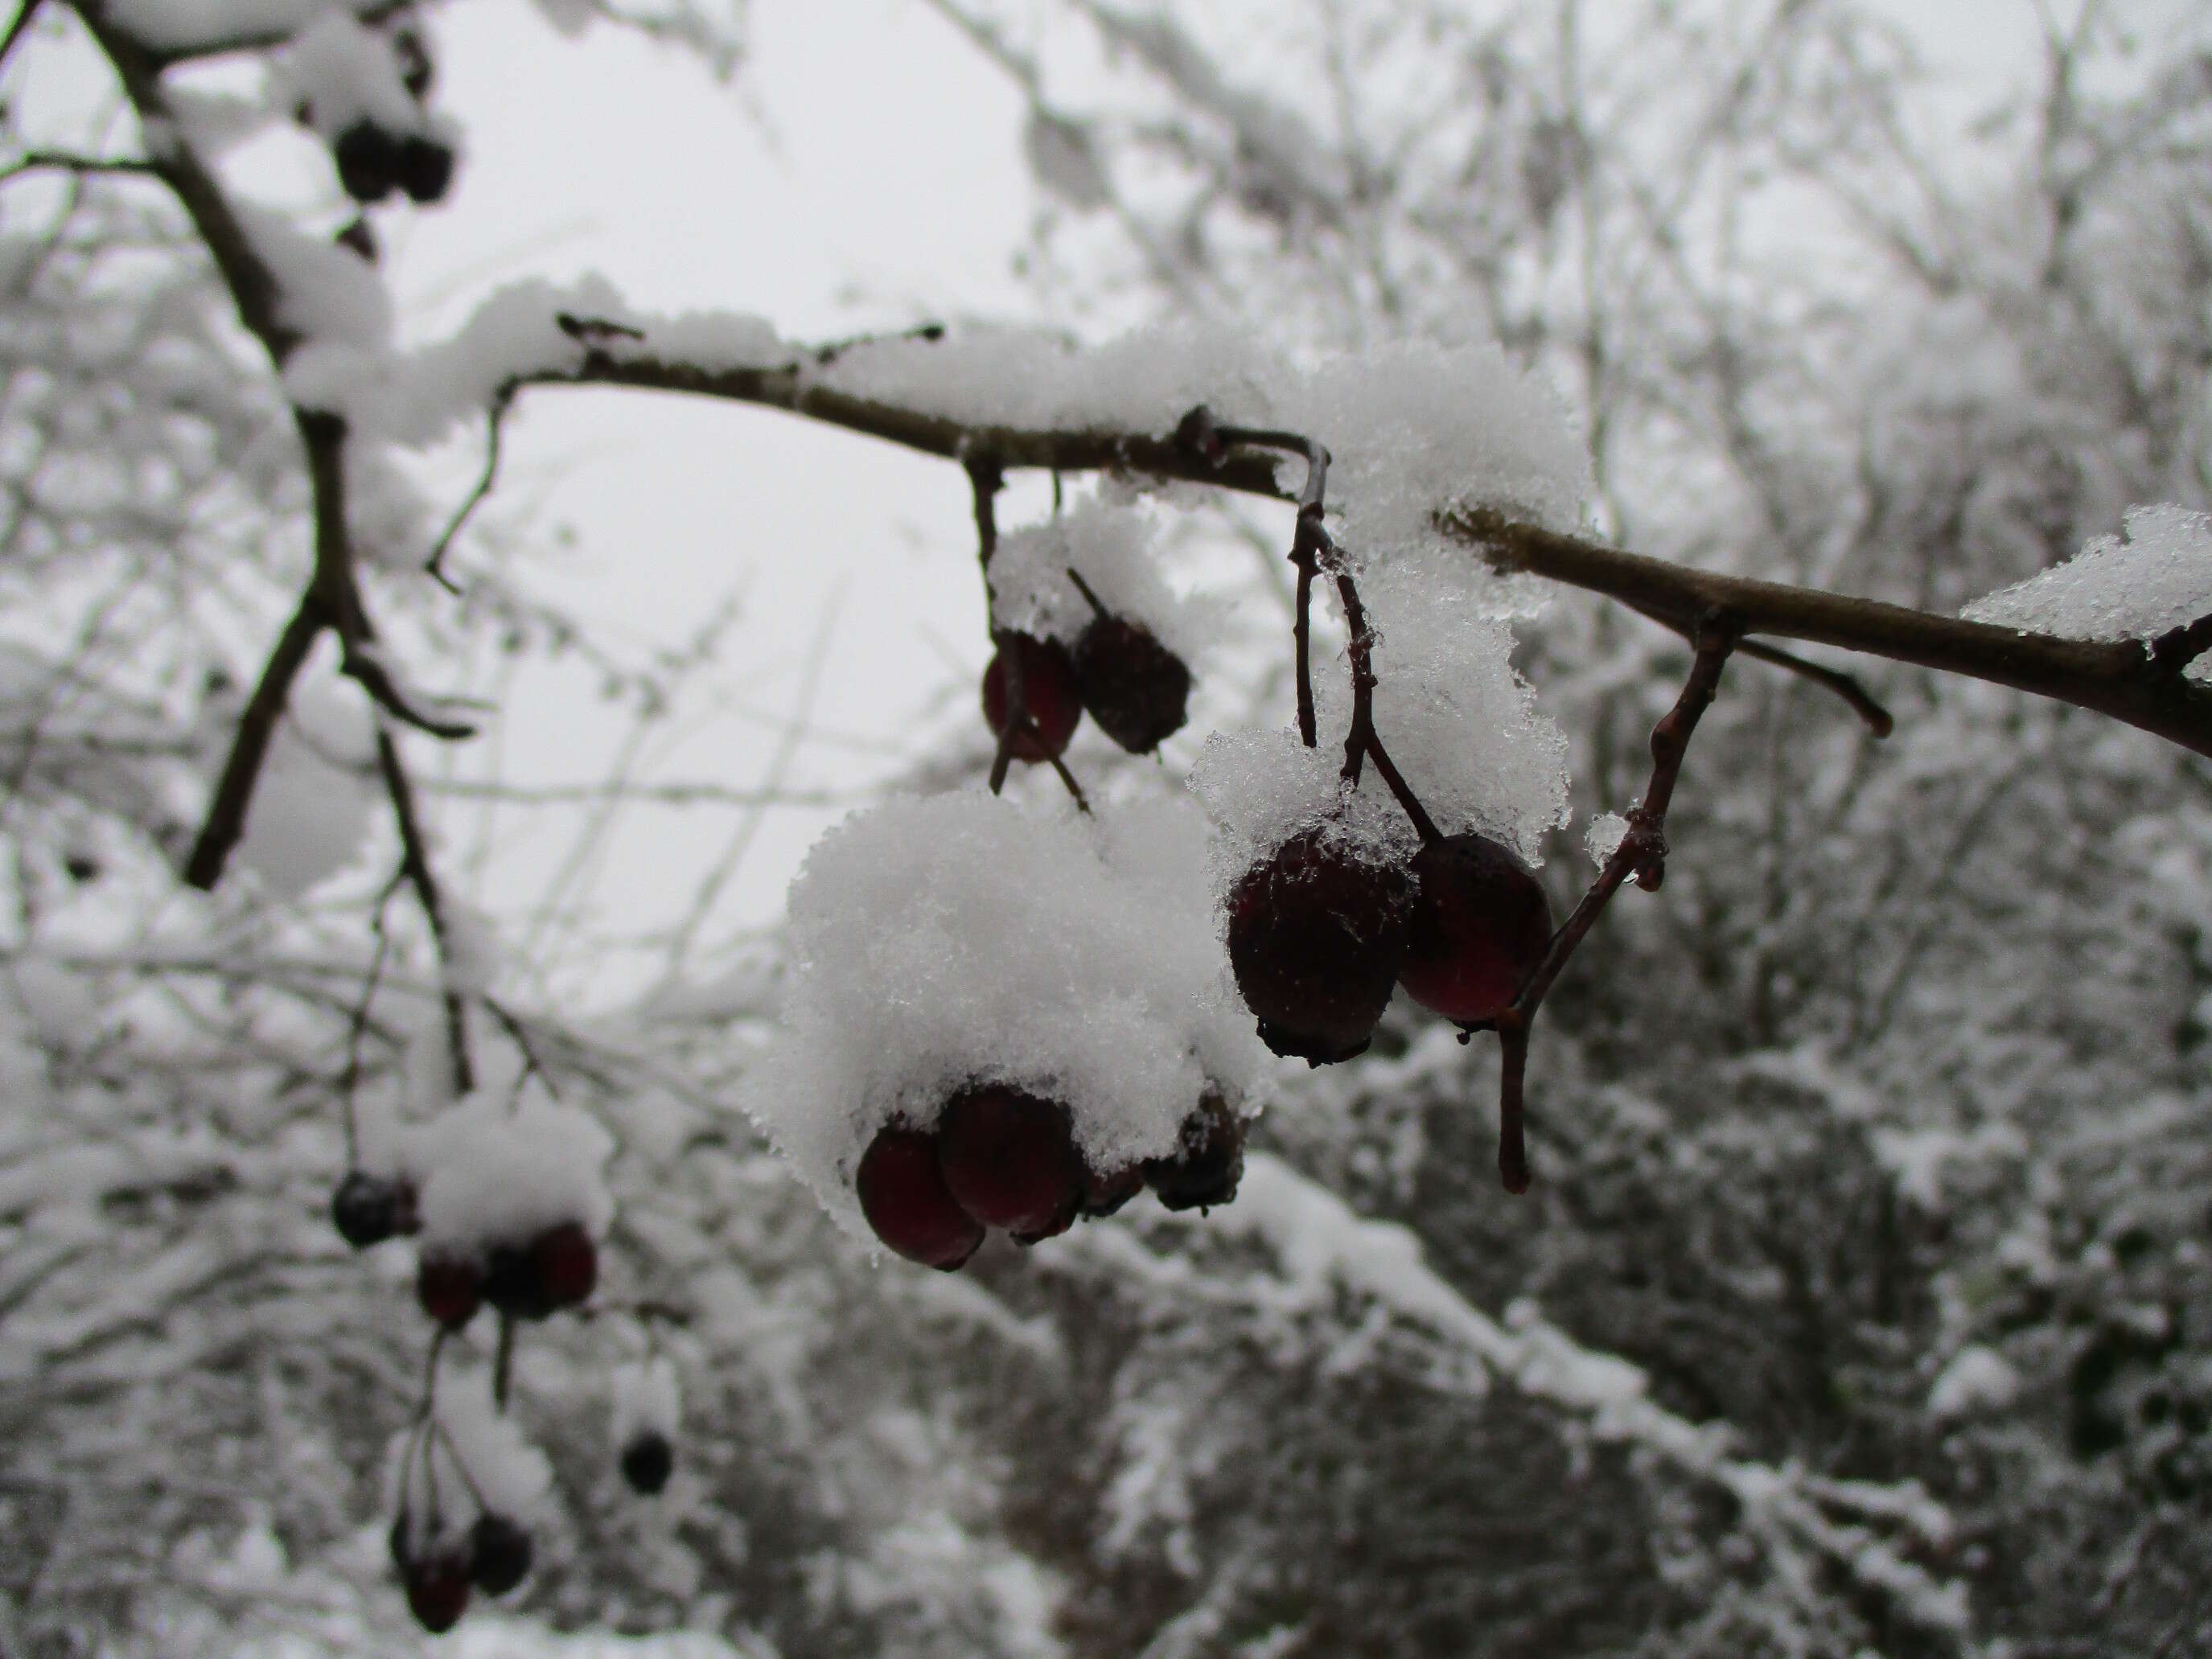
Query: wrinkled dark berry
1106	1192
902	1193
647	1461
1208	1163
1316	939
1479	926
369	1209
1047	689
1135	687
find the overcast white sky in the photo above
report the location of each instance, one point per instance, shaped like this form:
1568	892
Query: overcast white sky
897	178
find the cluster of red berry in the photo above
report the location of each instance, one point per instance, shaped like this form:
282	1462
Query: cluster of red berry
1320	933
1000	1157
1119	673
441	1571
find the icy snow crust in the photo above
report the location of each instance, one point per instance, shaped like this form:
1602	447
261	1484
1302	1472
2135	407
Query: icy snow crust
2157	576
958	938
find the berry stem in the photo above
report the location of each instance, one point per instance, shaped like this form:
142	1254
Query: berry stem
1082	801
502	1364
1301	637
357	1027
1362	733
1090	596
1513	1070
1423	825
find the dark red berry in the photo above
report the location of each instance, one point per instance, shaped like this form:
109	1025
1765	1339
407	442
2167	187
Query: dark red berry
359	238
1136	688
422	167
1316	939
566	1263
499	1554
1479	926
1009	1160
449	1288
1207	1166
367	1209
648	1461
510	1282
1105	1192
438	1585
368	159
902	1193
1048	690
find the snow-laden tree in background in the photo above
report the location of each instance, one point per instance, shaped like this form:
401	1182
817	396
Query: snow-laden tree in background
1850	1308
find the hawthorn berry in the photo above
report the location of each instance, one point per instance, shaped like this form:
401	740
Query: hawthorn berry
1105	1192
437	1583
423	168
367	160
1479	926
1317	935
499	1554
1048	690
450	1288
1207	1162
903	1194
1135	687
555	1269
647	1461
369	1209
1010	1161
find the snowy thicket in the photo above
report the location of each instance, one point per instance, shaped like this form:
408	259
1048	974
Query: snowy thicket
1857	1305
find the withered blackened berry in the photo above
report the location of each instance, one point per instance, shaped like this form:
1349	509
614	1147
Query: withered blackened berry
499	1554
1207	1164
369	1209
647	1461
903	1195
556	1268
1316	939
1009	1159
368	159
1479	926
1048	691
1106	1192
1136	688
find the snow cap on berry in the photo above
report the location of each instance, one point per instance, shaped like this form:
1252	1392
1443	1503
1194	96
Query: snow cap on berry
959	939
1115	551
489	1174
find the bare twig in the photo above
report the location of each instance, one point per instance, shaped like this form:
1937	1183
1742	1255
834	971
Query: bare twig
495	425
1642	853
226	816
415	865
82	167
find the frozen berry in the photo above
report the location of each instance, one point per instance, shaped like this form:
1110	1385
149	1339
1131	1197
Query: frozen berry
567	1264
422	167
368	159
1479	926
437	1583
1136	688
449	1288
1207	1166
499	1554
1105	1192
903	1195
648	1461
369	1209
1048	691
1010	1161
1316	938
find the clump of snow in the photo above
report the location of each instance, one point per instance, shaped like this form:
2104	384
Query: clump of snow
1460	723
341	74
1064	161
646	1398
1262	788
489	1175
1603	837
1977	1379
569	17
387	520
512	1475
1115	549
943	941
312	802
2157	576
326	293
